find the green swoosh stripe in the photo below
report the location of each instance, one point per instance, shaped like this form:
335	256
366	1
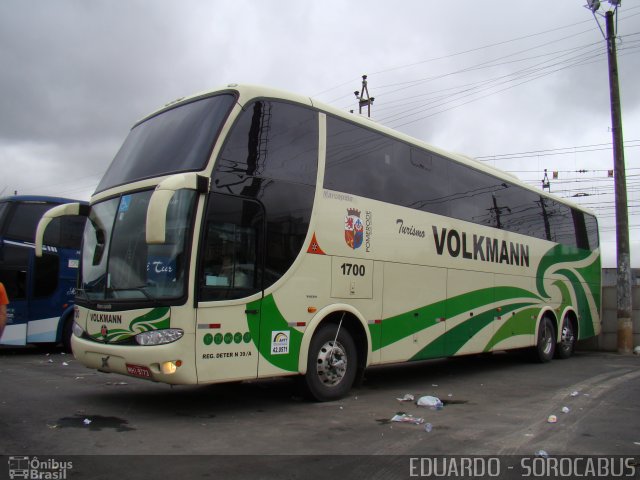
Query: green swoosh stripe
454	339
558	254
401	326
272	320
156	319
585	319
521	323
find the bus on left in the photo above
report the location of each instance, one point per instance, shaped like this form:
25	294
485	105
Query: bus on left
40	290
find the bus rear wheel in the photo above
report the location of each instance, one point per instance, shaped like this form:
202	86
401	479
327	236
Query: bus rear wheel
546	343
565	348
332	363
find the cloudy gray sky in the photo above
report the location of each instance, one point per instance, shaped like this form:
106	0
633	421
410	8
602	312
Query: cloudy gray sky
521	85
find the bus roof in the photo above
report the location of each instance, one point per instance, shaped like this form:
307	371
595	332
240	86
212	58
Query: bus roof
248	92
40	198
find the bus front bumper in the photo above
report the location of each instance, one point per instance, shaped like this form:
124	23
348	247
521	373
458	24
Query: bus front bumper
170	363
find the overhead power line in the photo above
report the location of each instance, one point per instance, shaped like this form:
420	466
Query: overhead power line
479	97
455	54
535	71
477	49
402	102
568	58
555	151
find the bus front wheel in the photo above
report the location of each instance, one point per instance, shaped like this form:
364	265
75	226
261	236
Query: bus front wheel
332	363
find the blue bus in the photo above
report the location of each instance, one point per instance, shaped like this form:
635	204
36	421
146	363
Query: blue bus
41	290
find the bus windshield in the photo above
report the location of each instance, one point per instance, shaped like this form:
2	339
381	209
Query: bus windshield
177	140
117	263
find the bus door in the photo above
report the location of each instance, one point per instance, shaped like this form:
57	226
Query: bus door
45	306
230	275
14	264
53	278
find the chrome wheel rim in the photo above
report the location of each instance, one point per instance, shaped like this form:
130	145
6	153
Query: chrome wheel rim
331	364
547	339
567	336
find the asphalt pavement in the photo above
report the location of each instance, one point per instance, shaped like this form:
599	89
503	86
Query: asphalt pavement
494	405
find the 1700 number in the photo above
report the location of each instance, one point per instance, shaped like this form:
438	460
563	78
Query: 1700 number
353	269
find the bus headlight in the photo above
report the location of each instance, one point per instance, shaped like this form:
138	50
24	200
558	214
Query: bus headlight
77	330
159	337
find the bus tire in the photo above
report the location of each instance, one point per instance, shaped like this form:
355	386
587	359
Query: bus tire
567	344
331	369
546	342
67	332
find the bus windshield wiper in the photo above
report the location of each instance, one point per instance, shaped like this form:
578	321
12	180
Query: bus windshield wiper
140	288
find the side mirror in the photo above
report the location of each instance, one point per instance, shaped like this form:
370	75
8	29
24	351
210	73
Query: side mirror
156	228
66	209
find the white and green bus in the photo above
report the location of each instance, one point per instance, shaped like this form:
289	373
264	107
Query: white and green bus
248	233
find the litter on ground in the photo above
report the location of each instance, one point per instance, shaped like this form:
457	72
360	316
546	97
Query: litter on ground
428	401
407	398
405	418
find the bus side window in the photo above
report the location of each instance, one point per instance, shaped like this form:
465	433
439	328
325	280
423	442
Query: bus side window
23	223
15	283
230	265
13	271
65	232
218	262
46	274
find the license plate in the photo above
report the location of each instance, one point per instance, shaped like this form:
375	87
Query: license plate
138	371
